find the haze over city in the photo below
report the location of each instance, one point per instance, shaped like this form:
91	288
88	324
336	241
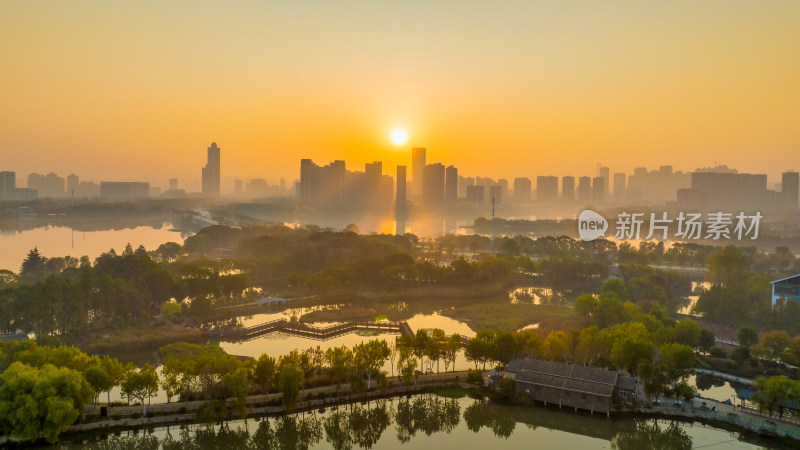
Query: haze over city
130	91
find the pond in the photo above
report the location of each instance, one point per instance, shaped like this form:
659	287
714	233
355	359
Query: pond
57	241
431	421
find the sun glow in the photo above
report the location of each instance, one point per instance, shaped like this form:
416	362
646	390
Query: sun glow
399	136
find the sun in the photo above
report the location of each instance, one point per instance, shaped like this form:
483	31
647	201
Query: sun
399	136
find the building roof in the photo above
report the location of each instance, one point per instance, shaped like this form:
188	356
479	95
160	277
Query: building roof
568	377
628	383
784	279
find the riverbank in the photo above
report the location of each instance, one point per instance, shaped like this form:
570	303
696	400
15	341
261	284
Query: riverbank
451	384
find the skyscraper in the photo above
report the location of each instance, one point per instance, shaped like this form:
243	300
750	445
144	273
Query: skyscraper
604	173
598	190
790	189
211	171
8	183
522	190
417	170
400	212
584	189
451	184
72	183
496	194
374	173
567	188
619	186
546	189
433	184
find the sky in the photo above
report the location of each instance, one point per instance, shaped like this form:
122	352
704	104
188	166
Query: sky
116	90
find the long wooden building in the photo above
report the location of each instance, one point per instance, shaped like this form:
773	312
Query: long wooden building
571	385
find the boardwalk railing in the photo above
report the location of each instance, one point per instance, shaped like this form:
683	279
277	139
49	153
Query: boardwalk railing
304	330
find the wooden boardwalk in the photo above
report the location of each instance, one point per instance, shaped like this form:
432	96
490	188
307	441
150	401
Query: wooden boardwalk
308	331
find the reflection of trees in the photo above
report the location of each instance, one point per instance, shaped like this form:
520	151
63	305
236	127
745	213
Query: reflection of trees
648	435
483	413
428	414
359	426
705	382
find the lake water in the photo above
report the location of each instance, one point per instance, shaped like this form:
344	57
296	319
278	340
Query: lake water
58	241
430	421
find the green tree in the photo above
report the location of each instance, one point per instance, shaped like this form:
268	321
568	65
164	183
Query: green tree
677	359
747	337
369	357
629	352
707	340
37	403
264	372
686	332
339	360
33	263
584	305
773	392
237	385
99	379
141	384
290	380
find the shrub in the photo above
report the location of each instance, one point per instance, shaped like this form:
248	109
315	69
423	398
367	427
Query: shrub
475	377
718	352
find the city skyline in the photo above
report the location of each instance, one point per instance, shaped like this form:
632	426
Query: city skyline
550	87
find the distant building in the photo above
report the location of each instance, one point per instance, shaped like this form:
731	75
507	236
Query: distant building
173	184
790	189
8	183
547	189
124	189
50	185
401	211
211	171
237	186
451	184
73	182
25	194
571	385
604	173
787	289
522	190
731	192
417	170
567	189
503	187
475	194
173	191
584	189
433	184
619	186
598	190
496	194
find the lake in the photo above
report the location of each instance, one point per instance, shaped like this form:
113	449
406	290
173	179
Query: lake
58	241
431	421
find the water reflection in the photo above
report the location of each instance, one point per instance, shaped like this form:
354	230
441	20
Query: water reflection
427	421
533	295
55	241
697	289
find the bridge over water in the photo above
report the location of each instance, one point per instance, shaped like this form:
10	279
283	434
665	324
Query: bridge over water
309	331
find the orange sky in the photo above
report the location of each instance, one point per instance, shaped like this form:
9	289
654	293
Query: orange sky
138	90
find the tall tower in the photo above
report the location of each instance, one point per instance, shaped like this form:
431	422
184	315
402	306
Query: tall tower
400	211
417	170
790	189
450	184
211	171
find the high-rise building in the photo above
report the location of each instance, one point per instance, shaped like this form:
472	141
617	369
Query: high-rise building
567	189
503	187
401	199
790	189
451	184
619	186
546	189
374	173
433	183
730	192
522	190
584	189
496	194
237	186
72	183
8	183
604	173
598	190
475	194
50	185
323	185
211	171
417	170
173	184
